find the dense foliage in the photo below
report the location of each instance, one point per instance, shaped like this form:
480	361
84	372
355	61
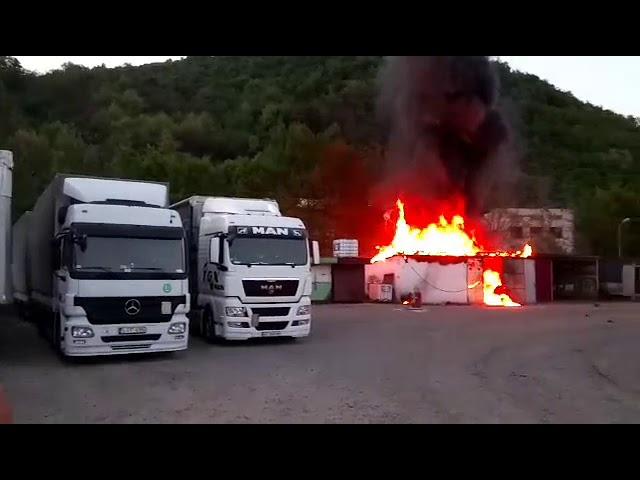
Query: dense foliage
293	128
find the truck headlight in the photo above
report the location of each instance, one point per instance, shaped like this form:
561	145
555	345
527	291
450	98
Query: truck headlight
81	332
179	327
235	311
304	310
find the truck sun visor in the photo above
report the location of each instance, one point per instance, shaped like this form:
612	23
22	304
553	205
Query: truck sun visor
130	231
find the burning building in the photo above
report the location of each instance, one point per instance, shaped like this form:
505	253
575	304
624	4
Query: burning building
447	153
444	263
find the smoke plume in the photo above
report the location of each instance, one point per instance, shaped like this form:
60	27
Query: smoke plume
445	133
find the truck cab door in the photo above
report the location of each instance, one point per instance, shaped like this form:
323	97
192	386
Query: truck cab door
61	261
213	272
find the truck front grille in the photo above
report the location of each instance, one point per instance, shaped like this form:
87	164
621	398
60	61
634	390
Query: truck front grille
113	310
270	288
271	311
131	338
271	326
130	347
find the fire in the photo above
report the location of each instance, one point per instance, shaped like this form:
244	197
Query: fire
443	238
491	285
438	239
448	238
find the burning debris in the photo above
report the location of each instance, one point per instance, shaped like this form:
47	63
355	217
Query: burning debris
413	300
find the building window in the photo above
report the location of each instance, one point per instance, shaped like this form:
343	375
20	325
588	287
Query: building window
556	232
516	232
535	230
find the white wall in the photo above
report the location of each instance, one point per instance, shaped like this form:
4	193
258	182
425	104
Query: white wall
449	283
437	283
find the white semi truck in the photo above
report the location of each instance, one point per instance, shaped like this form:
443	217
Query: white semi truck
100	265
250	268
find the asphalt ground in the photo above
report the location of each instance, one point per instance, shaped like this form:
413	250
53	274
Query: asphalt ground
555	363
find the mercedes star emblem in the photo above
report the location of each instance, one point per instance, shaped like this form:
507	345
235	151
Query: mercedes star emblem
132	307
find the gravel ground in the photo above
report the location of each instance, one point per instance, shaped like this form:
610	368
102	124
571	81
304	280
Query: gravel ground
558	363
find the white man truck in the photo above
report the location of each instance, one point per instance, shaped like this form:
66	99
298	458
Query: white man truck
250	268
104	270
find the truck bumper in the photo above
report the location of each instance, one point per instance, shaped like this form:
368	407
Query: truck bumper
108	340
290	325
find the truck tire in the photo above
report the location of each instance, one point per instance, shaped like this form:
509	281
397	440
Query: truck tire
195	323
56	334
209	328
25	313
42	329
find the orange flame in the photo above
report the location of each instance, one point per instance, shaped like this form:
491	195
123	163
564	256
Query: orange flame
448	238
492	281
443	238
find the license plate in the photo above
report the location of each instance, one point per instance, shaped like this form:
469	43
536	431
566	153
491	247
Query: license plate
270	334
132	330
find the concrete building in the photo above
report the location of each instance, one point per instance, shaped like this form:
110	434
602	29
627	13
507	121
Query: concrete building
550	230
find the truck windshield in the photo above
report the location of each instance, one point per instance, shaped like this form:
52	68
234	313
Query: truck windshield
268	251
120	254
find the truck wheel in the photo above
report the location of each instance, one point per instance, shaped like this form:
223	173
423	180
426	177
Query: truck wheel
195	324
56	334
42	328
25	313
209	327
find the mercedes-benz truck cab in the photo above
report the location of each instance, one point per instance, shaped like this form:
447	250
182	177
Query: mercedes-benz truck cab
107	262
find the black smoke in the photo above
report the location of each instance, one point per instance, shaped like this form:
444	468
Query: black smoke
444	130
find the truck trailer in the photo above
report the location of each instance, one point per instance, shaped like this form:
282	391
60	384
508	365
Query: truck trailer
6	180
20	265
105	267
250	268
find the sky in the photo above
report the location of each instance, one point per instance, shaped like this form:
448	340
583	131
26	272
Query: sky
609	82
44	64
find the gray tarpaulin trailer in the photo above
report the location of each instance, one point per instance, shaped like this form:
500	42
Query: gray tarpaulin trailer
20	260
6	171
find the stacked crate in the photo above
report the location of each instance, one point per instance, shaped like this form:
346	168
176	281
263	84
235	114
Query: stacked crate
345	248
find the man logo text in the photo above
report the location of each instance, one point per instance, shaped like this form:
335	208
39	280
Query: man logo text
271	288
270	231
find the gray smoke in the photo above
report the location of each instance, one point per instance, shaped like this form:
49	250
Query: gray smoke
445	135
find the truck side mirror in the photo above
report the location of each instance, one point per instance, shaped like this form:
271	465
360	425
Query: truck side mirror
82	241
55	254
315	248
62	214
